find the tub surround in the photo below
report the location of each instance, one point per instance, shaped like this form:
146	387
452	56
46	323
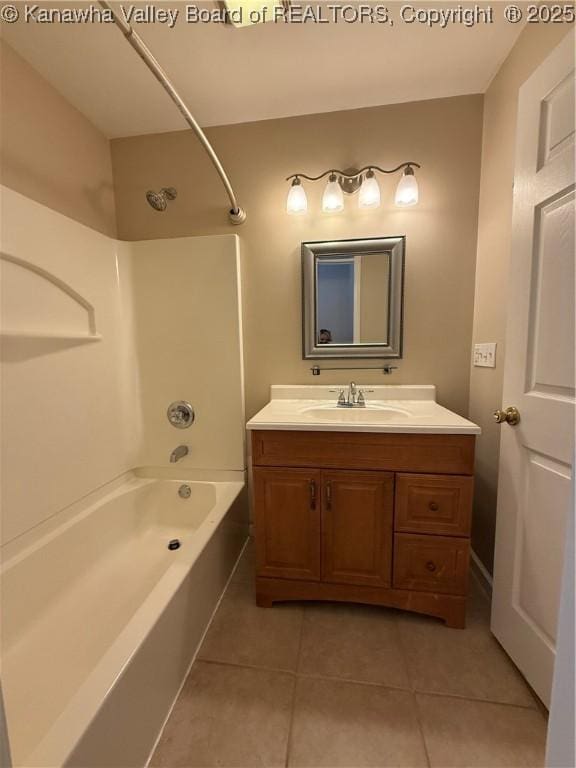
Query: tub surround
368	512
84	533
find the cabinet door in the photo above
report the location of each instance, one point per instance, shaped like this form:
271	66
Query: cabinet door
357	527
287	523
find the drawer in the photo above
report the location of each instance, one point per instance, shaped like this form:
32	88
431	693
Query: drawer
431	563
433	504
442	454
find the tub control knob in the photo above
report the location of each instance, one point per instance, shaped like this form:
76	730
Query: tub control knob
180	414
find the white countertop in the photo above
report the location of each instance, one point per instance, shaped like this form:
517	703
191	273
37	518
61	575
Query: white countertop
389	408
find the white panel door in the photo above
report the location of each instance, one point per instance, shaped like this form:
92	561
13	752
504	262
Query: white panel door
536	454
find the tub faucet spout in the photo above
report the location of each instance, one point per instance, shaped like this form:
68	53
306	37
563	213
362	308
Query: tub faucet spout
178	453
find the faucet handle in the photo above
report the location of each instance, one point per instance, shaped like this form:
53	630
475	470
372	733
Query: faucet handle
360	399
341	398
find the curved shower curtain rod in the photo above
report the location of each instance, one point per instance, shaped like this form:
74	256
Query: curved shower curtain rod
236	214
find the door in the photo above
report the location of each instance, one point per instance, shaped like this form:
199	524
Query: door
536	454
287	523
357	527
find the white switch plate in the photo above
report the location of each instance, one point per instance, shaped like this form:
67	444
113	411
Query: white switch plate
485	355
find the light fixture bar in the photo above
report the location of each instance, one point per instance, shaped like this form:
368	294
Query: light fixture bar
353	174
351	181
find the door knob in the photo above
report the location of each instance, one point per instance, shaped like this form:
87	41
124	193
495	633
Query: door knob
510	416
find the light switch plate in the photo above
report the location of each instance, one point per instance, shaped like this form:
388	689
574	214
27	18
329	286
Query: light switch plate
485	355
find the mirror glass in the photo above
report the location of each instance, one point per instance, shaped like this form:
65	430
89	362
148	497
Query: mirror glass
353	298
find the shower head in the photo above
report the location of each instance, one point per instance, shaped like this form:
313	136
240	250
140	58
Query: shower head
159	200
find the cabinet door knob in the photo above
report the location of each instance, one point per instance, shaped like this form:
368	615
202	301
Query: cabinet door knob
431	566
312	494
433	506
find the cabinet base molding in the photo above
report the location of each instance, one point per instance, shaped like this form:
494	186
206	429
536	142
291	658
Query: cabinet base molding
450	608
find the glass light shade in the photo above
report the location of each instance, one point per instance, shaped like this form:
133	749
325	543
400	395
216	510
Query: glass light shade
407	190
369	195
297	201
333	197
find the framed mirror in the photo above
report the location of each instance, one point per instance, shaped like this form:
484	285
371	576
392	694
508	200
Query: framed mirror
353	295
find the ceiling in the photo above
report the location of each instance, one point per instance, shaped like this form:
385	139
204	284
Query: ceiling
230	75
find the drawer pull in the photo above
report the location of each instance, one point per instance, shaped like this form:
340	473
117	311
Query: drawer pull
433	506
431	566
312	494
328	495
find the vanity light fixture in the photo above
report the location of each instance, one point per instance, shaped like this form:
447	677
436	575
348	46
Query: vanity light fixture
352	181
297	201
333	197
407	190
369	196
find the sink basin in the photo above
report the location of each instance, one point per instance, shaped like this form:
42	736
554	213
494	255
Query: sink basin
401	408
371	414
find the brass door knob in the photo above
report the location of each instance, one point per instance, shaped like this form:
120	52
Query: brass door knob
510	416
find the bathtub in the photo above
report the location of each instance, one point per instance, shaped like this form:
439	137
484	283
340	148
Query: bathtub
101	620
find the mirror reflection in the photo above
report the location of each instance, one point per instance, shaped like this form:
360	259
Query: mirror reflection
352	299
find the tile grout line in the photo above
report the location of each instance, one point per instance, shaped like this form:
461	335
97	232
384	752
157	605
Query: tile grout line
413	691
240	665
460	697
352	681
294	692
421	728
367	683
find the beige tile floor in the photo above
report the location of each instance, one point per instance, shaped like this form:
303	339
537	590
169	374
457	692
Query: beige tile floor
349	686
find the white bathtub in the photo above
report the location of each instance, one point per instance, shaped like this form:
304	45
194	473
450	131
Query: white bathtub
101	620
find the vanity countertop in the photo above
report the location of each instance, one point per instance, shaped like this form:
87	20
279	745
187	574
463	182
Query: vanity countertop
389	408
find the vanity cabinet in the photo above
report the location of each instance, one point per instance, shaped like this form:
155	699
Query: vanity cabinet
374	518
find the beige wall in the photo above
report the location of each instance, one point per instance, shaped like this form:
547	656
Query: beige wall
443	135
49	151
493	256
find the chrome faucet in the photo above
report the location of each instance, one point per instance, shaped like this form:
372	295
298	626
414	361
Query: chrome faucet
352	394
353	399
179	453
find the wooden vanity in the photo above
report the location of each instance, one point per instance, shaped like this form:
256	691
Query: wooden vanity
366	517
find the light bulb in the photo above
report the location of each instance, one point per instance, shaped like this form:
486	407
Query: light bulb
333	198
407	190
297	201
369	196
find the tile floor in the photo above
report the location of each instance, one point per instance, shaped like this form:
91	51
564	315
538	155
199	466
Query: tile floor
326	685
